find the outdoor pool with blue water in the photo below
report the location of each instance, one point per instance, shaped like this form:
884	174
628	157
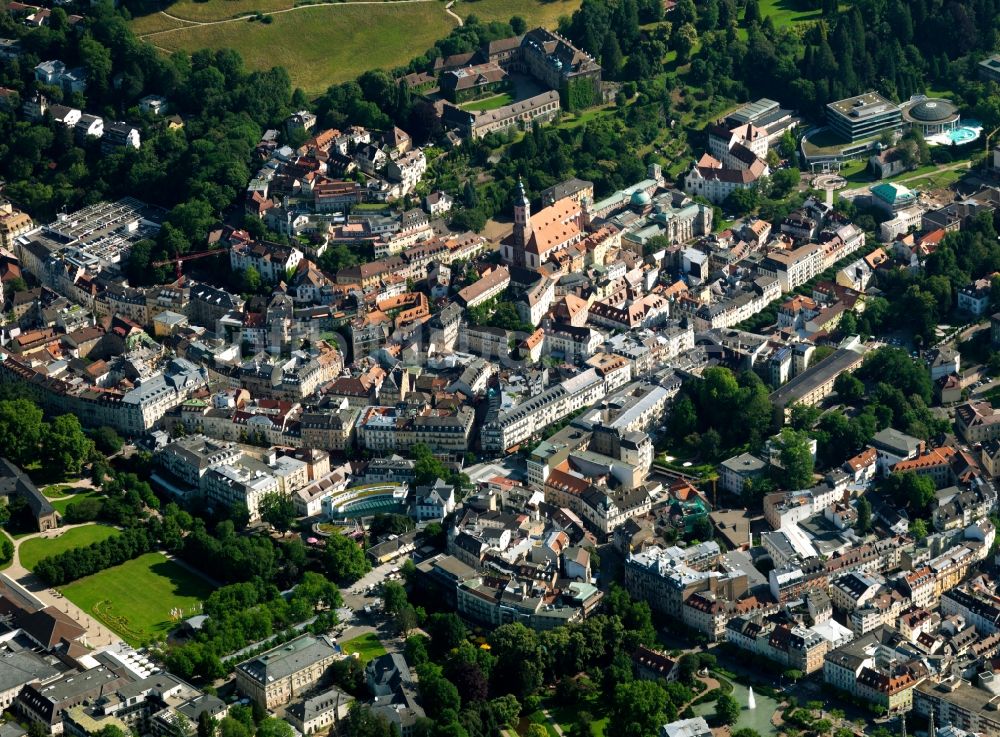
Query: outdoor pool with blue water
968	131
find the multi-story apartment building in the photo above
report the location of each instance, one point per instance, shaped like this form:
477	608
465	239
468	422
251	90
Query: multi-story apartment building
666	577
272	261
789	508
798	647
977	422
919	586
794	268
485	288
506	428
574	344
978	603
874	668
13	224
736	305
146	404
393	429
736	471
329	428
131	412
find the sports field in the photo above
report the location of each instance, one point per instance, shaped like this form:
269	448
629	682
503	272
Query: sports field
136	598
33	550
323	44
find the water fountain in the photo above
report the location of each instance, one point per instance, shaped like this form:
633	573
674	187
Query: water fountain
751	701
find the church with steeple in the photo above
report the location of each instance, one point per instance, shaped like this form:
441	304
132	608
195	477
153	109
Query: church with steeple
537	238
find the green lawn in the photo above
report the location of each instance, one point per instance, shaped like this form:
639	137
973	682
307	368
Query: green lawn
324	45
537	717
61	504
489	103
923	177
787	12
937	181
320	46
32	551
367	647
575	120
135	599
57	490
546	13
536	12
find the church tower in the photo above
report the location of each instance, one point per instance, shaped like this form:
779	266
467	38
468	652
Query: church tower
522	217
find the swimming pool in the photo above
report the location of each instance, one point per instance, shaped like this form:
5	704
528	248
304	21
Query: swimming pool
967	131
962	135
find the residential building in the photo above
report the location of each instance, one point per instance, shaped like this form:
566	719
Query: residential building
893	446
735	472
391	428
119	135
434	502
391	683
318	713
486	287
974	298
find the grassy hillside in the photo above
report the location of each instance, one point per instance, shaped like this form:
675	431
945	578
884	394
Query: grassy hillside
321	45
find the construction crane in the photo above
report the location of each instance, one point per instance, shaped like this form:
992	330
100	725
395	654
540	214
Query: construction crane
995	131
178	260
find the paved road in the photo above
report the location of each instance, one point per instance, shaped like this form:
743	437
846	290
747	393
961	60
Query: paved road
453	14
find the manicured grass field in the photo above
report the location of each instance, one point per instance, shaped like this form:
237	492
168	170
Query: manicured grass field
135	598
61	504
488	103
367	647
32	551
320	46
